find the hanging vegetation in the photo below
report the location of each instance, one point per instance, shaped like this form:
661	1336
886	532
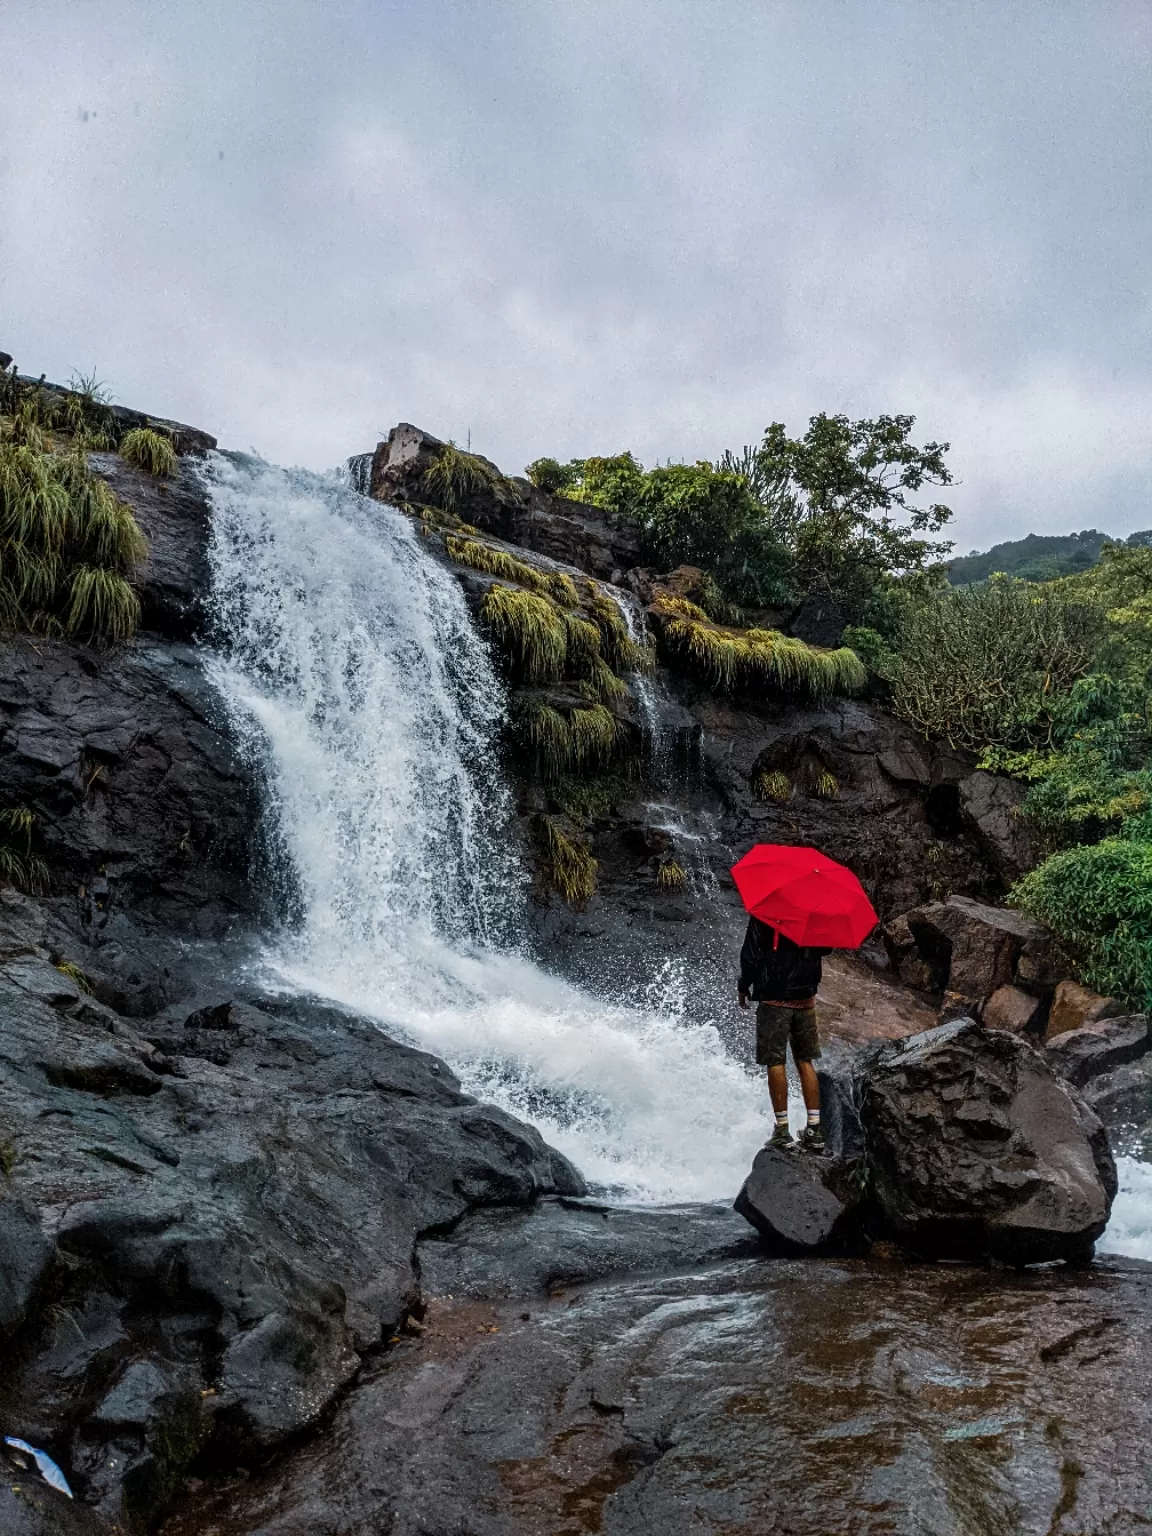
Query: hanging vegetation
67	547
744	658
671	875
566	866
826	786
582	739
456	476
498	562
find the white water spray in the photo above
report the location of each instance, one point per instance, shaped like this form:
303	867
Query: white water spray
354	674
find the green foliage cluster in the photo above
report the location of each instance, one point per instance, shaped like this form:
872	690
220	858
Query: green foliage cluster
825	515
1050	682
565	741
986	666
747	658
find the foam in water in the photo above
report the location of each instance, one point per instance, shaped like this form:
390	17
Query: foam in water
1130	1229
351	667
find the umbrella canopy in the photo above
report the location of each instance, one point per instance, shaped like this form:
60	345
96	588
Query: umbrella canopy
806	896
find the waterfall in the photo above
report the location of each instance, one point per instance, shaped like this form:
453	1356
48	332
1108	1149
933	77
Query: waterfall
359	687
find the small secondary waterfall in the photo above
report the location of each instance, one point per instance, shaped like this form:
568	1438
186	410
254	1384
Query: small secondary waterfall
352	670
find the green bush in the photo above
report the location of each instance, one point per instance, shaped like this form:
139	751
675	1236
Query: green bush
551	475
984	666
1098	901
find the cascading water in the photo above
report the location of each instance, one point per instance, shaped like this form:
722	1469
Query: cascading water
352	670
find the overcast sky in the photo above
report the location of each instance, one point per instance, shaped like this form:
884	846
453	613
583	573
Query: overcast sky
576	226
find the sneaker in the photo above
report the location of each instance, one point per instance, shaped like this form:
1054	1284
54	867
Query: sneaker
782	1139
812	1140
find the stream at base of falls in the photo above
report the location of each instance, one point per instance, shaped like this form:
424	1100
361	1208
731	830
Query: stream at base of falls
359	686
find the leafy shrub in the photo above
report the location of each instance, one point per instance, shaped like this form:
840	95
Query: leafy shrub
551	475
1098	901
149	450
983	666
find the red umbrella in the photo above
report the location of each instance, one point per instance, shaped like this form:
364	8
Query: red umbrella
805	896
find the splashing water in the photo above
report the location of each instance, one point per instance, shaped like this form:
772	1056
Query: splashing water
1130	1228
358	683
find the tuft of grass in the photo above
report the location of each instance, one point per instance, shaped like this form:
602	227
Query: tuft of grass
745	658
498	562
771	784
18	865
103	605
603	684
67	545
529	629
8	1158
617	646
456	476
583	739
671	875
149	450
566	866
826	786
73	972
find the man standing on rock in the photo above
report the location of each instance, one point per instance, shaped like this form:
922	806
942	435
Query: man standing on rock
782	977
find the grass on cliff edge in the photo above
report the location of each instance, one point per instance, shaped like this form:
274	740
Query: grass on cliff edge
566	866
742	658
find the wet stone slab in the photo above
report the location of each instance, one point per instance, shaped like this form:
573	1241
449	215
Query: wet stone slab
789	1396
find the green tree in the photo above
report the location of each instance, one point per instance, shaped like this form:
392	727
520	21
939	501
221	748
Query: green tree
851	484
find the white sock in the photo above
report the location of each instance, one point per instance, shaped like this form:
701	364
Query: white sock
781	1117
813	1117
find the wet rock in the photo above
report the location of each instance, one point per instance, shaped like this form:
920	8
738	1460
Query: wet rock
1123	1100
972	947
978	1150
29	1507
233	1238
1012	1009
991	805
1100	1046
799	1203
24	1252
793	1396
1073	1006
501	1253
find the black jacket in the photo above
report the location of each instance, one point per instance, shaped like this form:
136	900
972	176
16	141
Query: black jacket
773	969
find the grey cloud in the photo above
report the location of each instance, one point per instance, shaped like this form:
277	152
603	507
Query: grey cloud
583	225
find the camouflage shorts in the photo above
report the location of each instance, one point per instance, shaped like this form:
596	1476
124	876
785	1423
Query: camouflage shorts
776	1025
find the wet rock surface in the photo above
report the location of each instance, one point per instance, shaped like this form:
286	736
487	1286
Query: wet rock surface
201	1243
559	1243
802	1204
977	1149
793	1396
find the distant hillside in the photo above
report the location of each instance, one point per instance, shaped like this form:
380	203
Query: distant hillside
1039	556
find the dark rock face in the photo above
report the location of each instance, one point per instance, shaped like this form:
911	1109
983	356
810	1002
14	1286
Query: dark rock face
559	1243
1082	1054
977	1150
973	946
230	1229
801	1397
175	580
802	1204
1123	1100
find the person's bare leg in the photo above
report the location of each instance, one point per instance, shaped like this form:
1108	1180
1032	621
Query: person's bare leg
778	1088
809	1084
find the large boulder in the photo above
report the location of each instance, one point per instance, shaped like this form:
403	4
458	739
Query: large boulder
1011	1008
802	1204
978	1150
972	947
